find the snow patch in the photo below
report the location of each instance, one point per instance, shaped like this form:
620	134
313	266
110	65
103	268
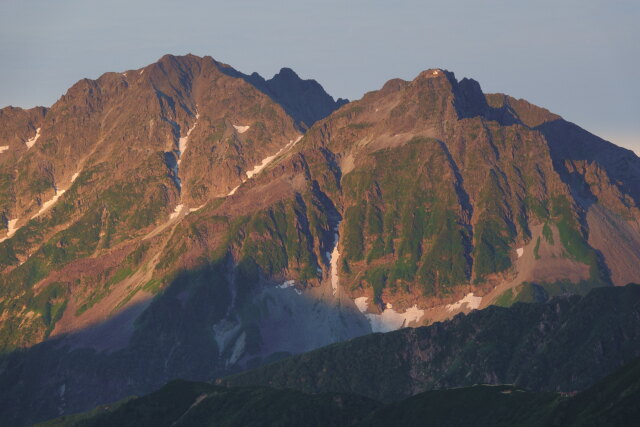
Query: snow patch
58	193
176	211
225	331
238	349
46	205
33	140
335	256
361	303
389	320
182	147
141	71
256	170
4	148
11	225
520	252
198	401
472	302
11	229
183	141
290	284
241	129
287	284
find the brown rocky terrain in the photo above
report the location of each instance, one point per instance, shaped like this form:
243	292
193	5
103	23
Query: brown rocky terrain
187	220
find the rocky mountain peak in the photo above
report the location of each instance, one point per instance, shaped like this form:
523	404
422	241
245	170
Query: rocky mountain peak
189	220
287	73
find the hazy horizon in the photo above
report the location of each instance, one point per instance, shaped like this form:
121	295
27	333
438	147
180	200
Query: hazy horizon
575	58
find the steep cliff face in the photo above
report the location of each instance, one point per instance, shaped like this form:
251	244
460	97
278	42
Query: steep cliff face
603	180
173	221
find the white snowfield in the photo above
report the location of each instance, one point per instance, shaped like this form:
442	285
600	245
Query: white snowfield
46	205
238	349
335	256
361	303
232	192
257	169
290	284
182	147
389	320
241	129
472	302
33	140
3	148
176	211
198	208
225	332
287	284
11	225
184	141
231	338
520	252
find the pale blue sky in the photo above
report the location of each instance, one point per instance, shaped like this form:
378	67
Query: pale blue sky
579	58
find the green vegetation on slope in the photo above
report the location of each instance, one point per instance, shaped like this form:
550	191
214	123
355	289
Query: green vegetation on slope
493	235
85	228
406	229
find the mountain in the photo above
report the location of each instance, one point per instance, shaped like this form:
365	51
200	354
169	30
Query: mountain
610	402
189	404
566	344
304	100
97	183
175	222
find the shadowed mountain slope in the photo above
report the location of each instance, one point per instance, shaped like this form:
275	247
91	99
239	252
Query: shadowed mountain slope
610	402
304	100
566	344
